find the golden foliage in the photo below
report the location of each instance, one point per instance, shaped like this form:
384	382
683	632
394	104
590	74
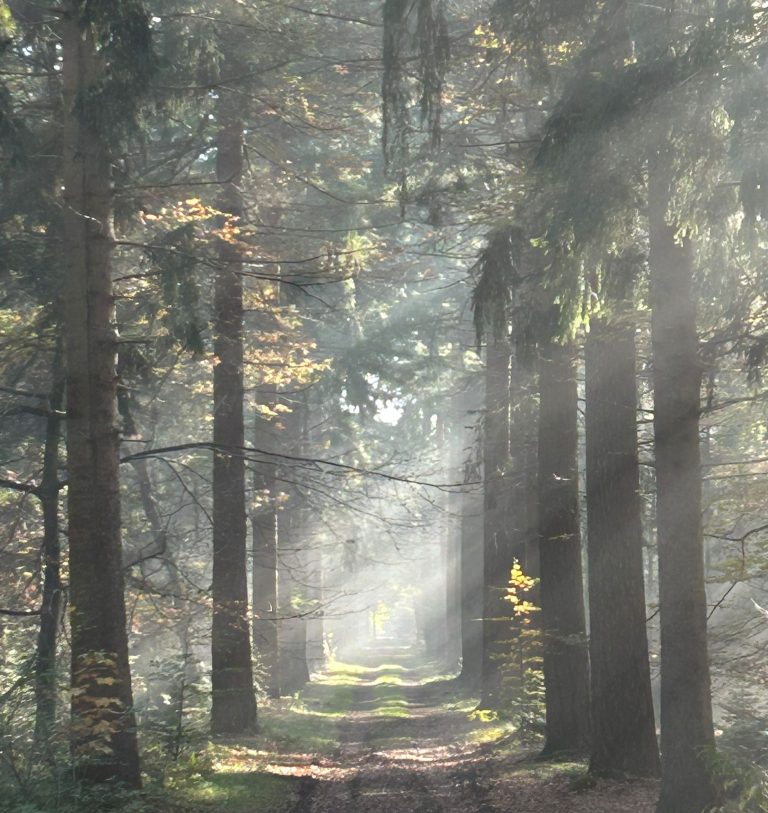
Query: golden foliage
519	585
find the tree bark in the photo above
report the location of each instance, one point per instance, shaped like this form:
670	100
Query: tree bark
496	541
623	724
52	598
471	588
103	728
471	549
566	664
292	558
264	525
234	702
686	706
531	499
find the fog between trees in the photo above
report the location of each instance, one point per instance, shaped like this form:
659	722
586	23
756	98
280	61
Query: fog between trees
382	405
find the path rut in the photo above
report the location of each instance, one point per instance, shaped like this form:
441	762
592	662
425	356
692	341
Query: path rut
400	749
406	746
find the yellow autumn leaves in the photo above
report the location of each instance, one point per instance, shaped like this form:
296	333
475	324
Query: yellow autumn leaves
519	586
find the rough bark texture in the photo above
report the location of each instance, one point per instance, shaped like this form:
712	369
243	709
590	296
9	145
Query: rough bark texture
51	607
566	664
495	531
103	728
623	724
686	707
233	700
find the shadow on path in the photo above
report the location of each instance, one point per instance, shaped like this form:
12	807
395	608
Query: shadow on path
402	740
391	734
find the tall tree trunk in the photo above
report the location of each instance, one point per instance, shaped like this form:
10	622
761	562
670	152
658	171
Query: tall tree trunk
686	707
520	547
292	626
233	708
103	727
312	553
264	516
566	664
470	546
264	525
495	532
623	725
436	572
530	417
292	561
455	499
471	587
315	622
52	599
453	589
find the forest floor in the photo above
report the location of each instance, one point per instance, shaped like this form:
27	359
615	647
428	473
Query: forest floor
389	737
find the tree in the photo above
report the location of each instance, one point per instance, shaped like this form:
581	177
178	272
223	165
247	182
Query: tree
95	79
687	734
468	506
292	547
623	725
566	661
52	598
491	296
495	520
264	530
234	701
591	135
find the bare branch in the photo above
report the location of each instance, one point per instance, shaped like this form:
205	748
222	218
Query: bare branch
24	488
332	464
20	613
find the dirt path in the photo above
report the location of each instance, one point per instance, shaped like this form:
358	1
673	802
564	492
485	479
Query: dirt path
406	746
400	749
388	736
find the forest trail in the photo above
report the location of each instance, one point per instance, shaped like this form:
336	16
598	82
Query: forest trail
403	746
391	736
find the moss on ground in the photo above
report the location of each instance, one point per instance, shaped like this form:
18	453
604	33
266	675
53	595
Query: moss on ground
235	792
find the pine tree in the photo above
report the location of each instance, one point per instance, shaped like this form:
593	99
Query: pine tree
101	86
623	725
264	530
234	701
687	734
52	594
566	661
496	544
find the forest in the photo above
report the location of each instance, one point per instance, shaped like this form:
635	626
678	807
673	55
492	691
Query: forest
382	406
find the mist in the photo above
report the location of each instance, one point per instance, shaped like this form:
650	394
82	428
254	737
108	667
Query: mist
382	406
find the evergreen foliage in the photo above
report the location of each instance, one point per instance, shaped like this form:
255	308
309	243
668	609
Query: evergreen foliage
420	178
